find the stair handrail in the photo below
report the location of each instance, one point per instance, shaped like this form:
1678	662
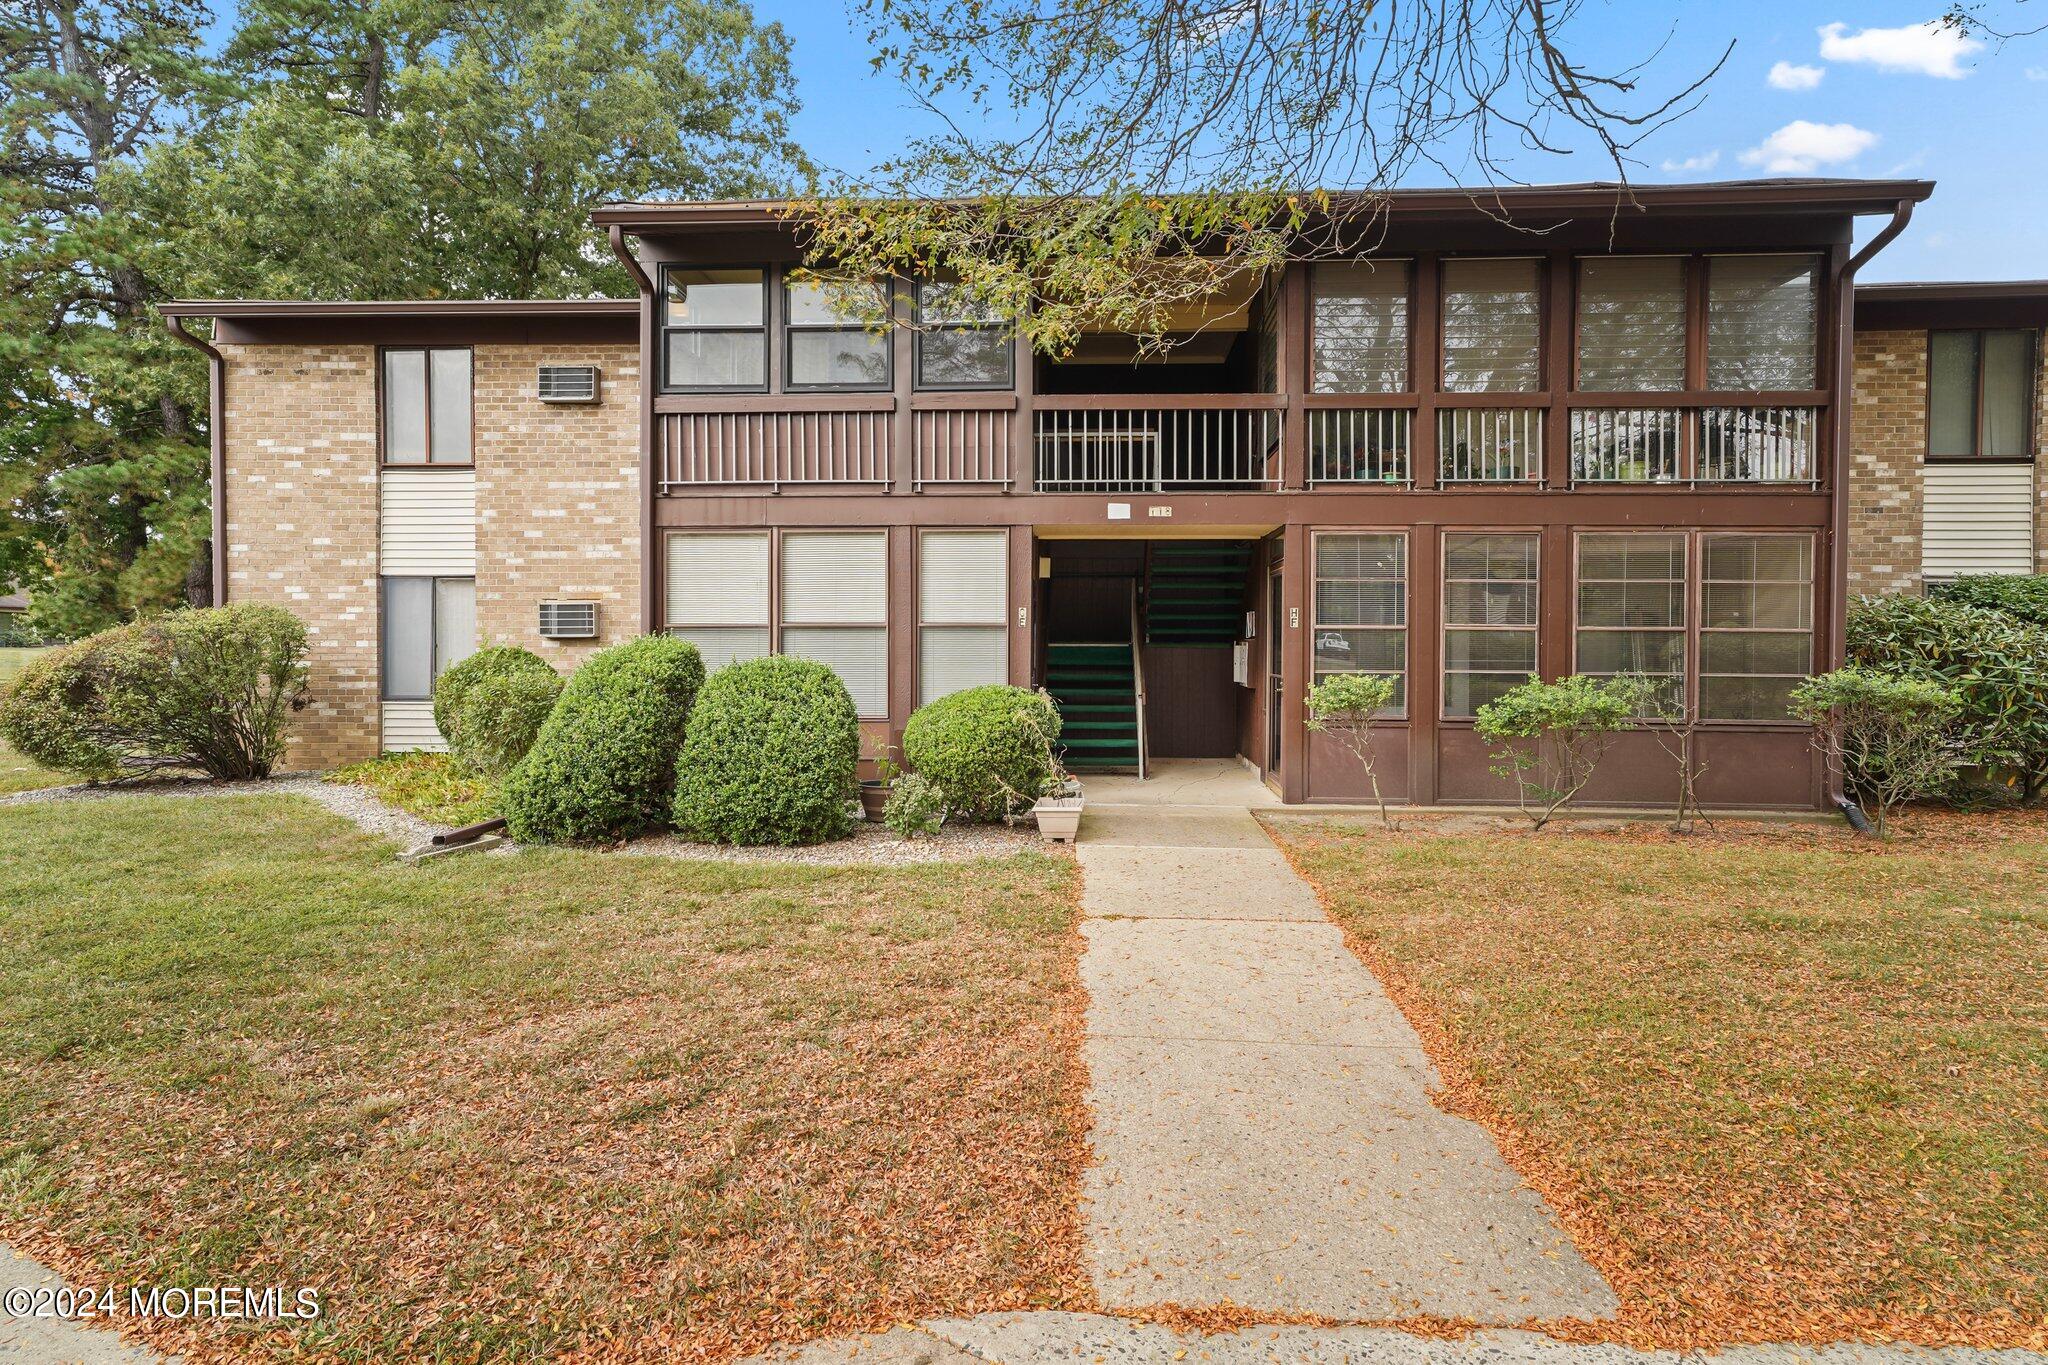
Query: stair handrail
1138	677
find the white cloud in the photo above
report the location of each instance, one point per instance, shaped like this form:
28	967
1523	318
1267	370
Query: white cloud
1691	165
2037	73
1800	147
1786	76
1929	49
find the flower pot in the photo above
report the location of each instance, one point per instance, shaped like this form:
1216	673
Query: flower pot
1059	817
873	796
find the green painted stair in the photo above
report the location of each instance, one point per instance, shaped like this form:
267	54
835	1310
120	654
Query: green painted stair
1194	592
1094	685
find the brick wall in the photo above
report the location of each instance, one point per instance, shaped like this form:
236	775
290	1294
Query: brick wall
1888	439
302	525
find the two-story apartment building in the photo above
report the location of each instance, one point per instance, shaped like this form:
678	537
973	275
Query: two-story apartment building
1543	430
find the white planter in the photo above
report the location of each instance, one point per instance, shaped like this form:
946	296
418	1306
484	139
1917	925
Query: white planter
1059	817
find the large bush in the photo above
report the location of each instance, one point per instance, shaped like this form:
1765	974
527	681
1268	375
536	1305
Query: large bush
603	766
210	689
1995	663
989	749
490	707
1889	734
1551	736
2022	596
771	755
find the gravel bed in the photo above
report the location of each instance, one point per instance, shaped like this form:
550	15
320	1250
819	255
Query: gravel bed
869	845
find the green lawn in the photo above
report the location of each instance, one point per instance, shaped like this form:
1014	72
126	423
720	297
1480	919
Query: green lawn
514	1107
17	774
1782	1082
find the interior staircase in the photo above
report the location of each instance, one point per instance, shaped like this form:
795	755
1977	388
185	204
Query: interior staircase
1194	592
1094	685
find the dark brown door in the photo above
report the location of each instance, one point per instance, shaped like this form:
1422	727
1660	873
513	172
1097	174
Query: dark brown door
1273	600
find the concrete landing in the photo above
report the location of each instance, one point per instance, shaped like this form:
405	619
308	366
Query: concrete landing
1263	1128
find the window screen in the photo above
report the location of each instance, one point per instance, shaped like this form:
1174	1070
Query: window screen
1756	624
1631	608
1360	312
1489	617
1631	324
961	344
426	406
718	594
429	626
1762	312
835	609
714	329
1361	607
831	345
1980	395
1493	326
963	605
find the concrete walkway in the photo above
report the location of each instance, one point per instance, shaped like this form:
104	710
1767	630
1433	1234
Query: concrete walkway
32	1340
1263	1127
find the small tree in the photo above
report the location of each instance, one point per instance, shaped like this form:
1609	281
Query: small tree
1676	728
1345	706
1890	735
1550	737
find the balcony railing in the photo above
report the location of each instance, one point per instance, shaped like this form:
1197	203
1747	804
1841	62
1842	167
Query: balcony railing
1359	445
1759	445
1627	445
773	449
1225	443
963	446
1489	445
1716	445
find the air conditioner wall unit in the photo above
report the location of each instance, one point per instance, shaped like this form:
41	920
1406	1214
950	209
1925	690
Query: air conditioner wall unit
567	384
568	620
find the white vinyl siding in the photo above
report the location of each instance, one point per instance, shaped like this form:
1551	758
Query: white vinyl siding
1979	518
410	725
835	609
718	594
963	610
426	522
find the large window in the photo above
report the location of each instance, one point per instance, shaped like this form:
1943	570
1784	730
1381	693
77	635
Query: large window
426	405
1756	624
960	344
1489	617
1360	313
429	626
1762	318
1980	395
1631	324
835	609
963	605
1493	325
1361	607
718	593
831	344
1631	608
715	330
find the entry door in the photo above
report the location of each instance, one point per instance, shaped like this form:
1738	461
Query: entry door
1273	635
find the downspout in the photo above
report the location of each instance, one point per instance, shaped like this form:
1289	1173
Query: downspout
217	439
648	371
1838	552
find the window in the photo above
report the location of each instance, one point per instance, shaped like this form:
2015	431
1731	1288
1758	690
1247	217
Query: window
1762	314
963	604
429	626
1361	607
1360	342
426	405
715	330
1631	324
831	345
1756	624
1489	617
1980	395
718	594
835	609
1631	607
1493	326
960	344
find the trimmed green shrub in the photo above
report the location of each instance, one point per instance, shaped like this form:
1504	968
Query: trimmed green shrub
211	689
490	707
989	749
603	765
915	806
2023	596
771	755
1346	706
1552	736
1889	734
1995	663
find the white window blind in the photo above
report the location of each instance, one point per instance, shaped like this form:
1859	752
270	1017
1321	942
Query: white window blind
835	609
1631	324
951	658
1493	326
963	603
718	594
1762	312
1361	327
454	622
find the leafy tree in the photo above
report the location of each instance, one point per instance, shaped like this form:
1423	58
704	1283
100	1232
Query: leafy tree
1889	735
1552	736
1346	706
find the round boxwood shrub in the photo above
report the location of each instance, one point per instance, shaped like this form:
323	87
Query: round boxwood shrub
771	756
490	707
989	749
495	662
603	765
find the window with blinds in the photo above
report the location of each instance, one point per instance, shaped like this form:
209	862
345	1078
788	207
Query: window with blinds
1756	624
429	626
1980	395
1763	313
835	609
1489	617
1631	324
424	405
1361	607
1493	326
1631	608
718	593
1360	327
963	605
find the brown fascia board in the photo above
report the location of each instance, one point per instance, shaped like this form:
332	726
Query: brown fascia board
1952	303
400	308
1738	196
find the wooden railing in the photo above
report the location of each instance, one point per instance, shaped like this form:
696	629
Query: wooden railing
1771	444
1489	445
1150	445
772	449
1360	446
962	446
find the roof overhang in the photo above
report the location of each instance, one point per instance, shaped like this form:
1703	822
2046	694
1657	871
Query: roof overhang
399	308
445	322
1953	303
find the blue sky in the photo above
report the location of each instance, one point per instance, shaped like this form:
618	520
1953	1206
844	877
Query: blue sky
1871	96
